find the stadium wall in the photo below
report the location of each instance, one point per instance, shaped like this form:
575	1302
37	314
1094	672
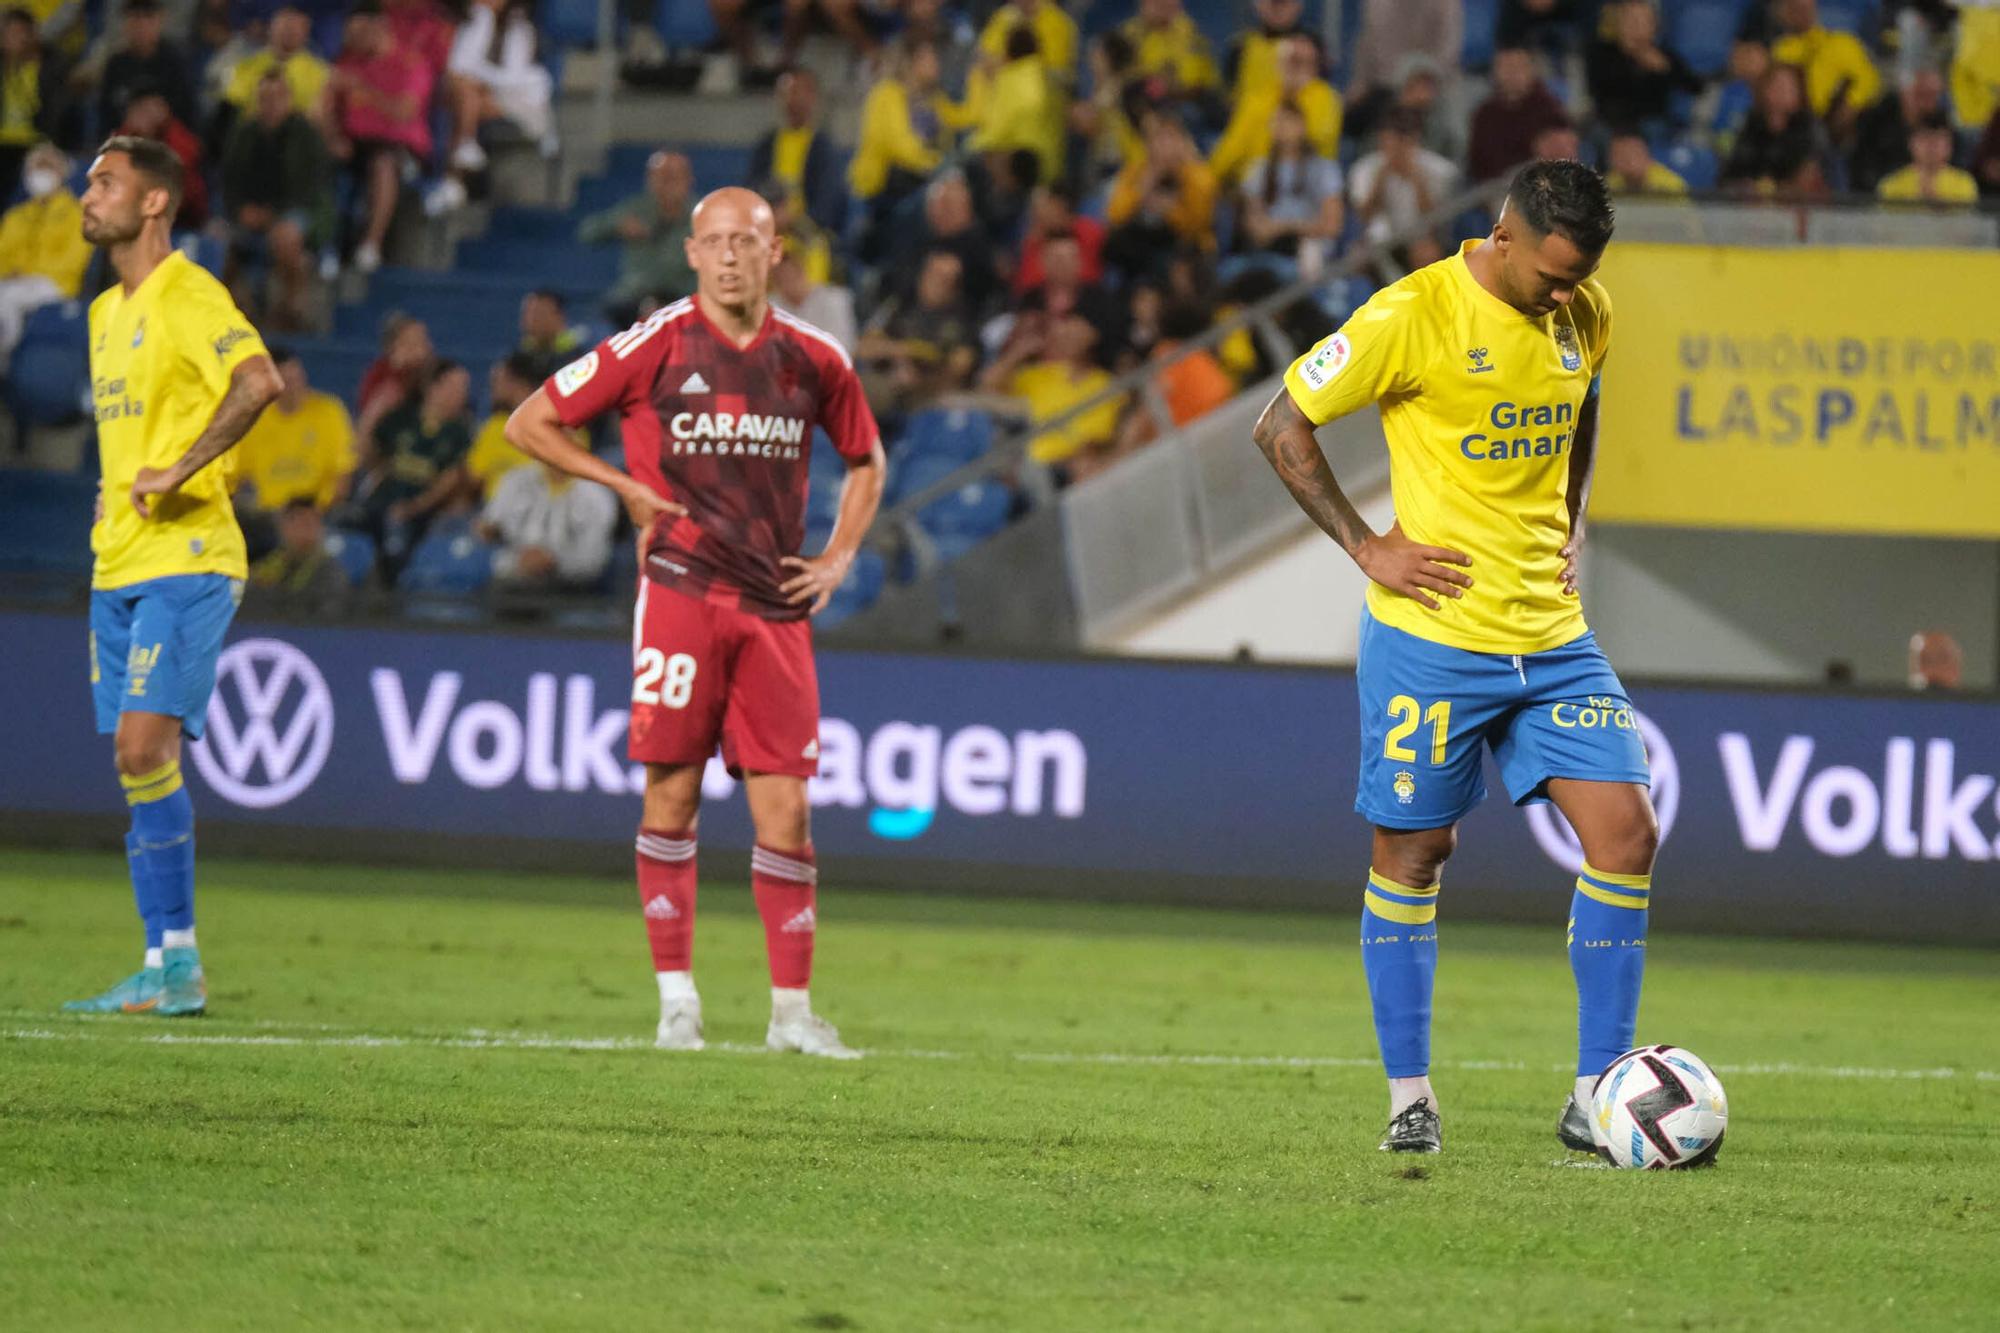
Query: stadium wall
1785	812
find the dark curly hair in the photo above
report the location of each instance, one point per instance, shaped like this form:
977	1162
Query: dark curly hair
1565	198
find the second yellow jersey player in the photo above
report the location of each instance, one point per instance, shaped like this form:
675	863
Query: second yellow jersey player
1485	367
1480	406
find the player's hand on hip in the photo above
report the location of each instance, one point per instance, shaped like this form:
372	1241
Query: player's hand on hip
152	481
1568	554
817	579
1414	569
646	507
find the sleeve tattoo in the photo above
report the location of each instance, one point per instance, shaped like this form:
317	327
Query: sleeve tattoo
1286	438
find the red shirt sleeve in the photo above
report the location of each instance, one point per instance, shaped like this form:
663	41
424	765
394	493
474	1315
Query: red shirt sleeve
597	381
843	409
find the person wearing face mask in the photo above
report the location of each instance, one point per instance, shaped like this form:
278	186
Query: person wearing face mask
42	250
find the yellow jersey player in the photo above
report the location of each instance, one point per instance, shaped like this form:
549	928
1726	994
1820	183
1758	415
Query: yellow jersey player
1486	367
177	376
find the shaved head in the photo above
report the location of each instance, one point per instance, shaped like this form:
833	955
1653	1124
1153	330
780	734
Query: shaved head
732	246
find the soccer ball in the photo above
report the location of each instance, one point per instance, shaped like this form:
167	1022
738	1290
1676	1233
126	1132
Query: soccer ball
1658	1108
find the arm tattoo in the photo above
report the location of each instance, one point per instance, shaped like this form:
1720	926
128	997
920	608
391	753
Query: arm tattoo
1582	461
1286	439
234	415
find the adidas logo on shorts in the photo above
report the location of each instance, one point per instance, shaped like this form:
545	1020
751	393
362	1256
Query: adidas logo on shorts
661	908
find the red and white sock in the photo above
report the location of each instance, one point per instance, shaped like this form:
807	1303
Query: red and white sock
666	896
783	883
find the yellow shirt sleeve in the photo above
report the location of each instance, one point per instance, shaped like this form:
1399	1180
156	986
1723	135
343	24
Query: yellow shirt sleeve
1599	330
211	335
1380	352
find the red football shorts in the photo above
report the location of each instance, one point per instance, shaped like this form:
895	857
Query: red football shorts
705	674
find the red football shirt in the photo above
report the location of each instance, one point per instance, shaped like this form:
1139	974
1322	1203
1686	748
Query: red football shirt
728	433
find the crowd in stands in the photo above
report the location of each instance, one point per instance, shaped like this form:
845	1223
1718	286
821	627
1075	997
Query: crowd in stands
1031	210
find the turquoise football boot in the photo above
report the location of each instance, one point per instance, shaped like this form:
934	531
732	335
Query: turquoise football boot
137	994
184	990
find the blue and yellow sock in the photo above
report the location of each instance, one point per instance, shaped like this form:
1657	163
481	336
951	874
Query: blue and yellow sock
142	890
1399	953
162	848
1607	954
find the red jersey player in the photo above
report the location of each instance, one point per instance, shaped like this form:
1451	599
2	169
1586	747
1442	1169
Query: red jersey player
718	396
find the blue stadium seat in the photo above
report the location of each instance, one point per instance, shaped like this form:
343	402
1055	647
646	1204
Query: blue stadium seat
1855	16
862	586
685	24
1695	163
1482	26
1701	32
955	433
356	553
204	249
450	560
570	23
48	380
45	521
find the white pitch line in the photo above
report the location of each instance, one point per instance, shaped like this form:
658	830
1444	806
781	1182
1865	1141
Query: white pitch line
478	1039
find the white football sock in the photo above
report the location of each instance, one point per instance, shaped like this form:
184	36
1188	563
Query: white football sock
676	987
1404	1092
177	939
1584	1084
787	1002
154	958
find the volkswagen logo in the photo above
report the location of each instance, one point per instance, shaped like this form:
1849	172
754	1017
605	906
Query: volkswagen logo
1553	832
270	724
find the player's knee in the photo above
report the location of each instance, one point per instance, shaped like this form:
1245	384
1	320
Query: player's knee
136	755
1635	843
1415	859
784	818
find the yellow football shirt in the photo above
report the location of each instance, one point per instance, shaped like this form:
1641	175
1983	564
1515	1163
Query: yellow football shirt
1479	406
160	362
298	455
1050	390
1907	187
493	455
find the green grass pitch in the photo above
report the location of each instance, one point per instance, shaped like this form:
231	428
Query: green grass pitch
425	1100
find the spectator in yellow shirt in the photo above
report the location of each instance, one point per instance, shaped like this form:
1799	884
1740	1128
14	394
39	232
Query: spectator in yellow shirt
492	456
1252	58
1166	44
1633	170
1975	66
902	126
1170	189
1841	79
1054	29
1248	137
1050	365
1019	105
305	73
1930	178
301	448
42	251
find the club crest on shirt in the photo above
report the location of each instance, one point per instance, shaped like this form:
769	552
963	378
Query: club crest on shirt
1568	347
1323	365
1405	786
139	333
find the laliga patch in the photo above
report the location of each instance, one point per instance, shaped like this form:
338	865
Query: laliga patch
576	374
1331	358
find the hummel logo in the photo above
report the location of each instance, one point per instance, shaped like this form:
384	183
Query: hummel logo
694	384
1477	356
812	749
802	924
661	908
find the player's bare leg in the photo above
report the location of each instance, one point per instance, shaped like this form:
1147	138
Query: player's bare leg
1399	953
665	856
1607	928
785	878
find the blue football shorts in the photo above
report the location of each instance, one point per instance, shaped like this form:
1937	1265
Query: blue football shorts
153	647
1428	711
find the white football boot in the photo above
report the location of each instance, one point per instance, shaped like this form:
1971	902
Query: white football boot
806	1032
680	1026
